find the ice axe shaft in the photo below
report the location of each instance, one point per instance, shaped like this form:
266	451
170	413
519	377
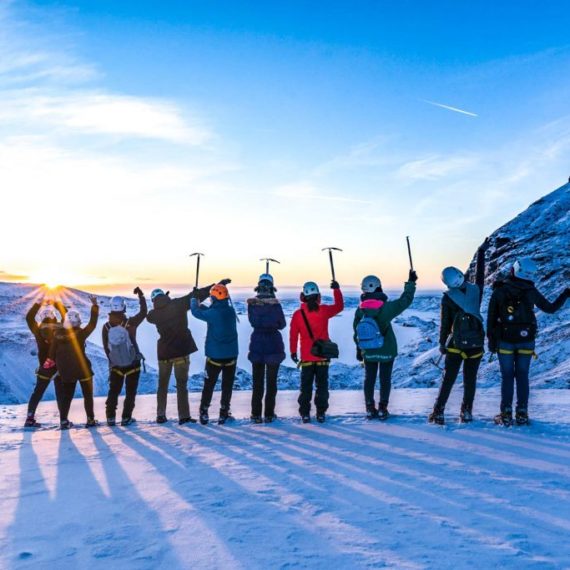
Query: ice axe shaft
330	250
410	253
198	256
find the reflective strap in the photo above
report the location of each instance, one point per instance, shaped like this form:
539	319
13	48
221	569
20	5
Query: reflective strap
505	351
180	360
221	364
302	364
464	355
125	374
525	351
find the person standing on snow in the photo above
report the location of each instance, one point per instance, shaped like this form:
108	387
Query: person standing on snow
67	355
512	330
221	349
375	340
266	348
174	347
120	345
44	333
310	324
461	336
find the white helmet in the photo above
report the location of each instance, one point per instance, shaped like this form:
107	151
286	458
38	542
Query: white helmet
118	305
370	283
452	277
310	288
72	319
525	268
47	312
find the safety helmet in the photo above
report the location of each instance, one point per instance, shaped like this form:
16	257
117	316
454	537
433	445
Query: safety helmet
452	277
72	319
265	277
370	284
219	292
156	293
118	305
310	288
525	268
47	312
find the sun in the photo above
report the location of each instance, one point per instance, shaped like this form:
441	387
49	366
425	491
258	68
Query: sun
53	279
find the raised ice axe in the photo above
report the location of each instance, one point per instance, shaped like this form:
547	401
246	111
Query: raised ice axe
198	256
330	250
410	253
268	260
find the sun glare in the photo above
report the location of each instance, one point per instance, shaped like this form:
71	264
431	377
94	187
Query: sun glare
54	279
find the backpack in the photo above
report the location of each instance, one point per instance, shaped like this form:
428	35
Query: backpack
368	335
122	351
517	320
467	331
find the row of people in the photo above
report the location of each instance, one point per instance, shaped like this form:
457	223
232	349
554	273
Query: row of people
511	332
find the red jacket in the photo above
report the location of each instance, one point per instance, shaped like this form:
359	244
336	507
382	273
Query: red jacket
319	323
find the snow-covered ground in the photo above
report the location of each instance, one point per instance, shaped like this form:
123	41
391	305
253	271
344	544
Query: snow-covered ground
347	494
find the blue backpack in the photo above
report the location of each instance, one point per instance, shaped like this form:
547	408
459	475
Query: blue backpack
368	335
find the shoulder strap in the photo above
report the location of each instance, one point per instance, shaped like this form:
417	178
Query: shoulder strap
307	324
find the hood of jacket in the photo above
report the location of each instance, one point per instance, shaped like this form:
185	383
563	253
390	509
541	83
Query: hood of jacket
263	301
371	305
161	301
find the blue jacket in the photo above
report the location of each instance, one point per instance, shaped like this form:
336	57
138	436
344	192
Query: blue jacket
267	319
222	337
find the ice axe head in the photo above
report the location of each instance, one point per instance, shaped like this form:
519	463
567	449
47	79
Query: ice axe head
268	260
198	256
330	250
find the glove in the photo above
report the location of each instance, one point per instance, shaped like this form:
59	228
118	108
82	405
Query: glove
359	355
413	276
294	357
49	363
442	349
138	291
194	294
225	281
334	284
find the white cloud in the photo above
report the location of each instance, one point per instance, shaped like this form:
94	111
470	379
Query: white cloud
434	167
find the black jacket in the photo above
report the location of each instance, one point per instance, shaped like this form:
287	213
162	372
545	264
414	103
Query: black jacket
449	308
44	331
528	294
170	316
68	350
130	323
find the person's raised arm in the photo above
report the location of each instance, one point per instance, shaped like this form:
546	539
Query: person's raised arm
338	304
137	319
31	318
199	311
480	268
545	305
93	318
393	308
60	308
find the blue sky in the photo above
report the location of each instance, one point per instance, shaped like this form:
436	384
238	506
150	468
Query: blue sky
247	129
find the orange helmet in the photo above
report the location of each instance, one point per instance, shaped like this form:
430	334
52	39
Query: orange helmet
219	292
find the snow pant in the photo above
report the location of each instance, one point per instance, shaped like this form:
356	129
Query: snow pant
128	376
67	393
264	374
514	361
42	383
453	362
227	367
371	373
181	368
317	372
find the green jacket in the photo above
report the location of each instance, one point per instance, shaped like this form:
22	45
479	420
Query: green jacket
383	315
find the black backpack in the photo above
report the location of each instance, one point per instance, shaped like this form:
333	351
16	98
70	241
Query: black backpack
517	322
467	331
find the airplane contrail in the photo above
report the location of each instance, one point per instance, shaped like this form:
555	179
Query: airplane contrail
449	108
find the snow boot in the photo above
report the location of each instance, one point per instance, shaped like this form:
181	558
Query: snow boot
91	422
188	420
505	418
204	418
111	422
371	412
465	416
383	413
224	416
306	419
31	422
437	417
127	421
321	417
256	419
521	417
269	419
161	419
65	424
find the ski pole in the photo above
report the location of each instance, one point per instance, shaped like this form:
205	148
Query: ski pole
330	250
267	261
198	255
410	253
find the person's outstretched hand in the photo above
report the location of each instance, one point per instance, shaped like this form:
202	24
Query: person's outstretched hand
225	281
294	357
138	291
413	276
334	284
93	300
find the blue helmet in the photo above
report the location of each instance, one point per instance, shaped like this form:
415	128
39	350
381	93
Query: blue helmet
265	277
310	288
156	293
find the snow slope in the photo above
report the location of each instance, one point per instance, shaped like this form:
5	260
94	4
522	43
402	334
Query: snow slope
348	494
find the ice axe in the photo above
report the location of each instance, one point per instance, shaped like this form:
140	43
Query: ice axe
330	250
410	253
436	363
198	256
268	260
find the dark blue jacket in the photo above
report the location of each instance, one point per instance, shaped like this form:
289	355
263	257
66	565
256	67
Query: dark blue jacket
222	337
267	319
